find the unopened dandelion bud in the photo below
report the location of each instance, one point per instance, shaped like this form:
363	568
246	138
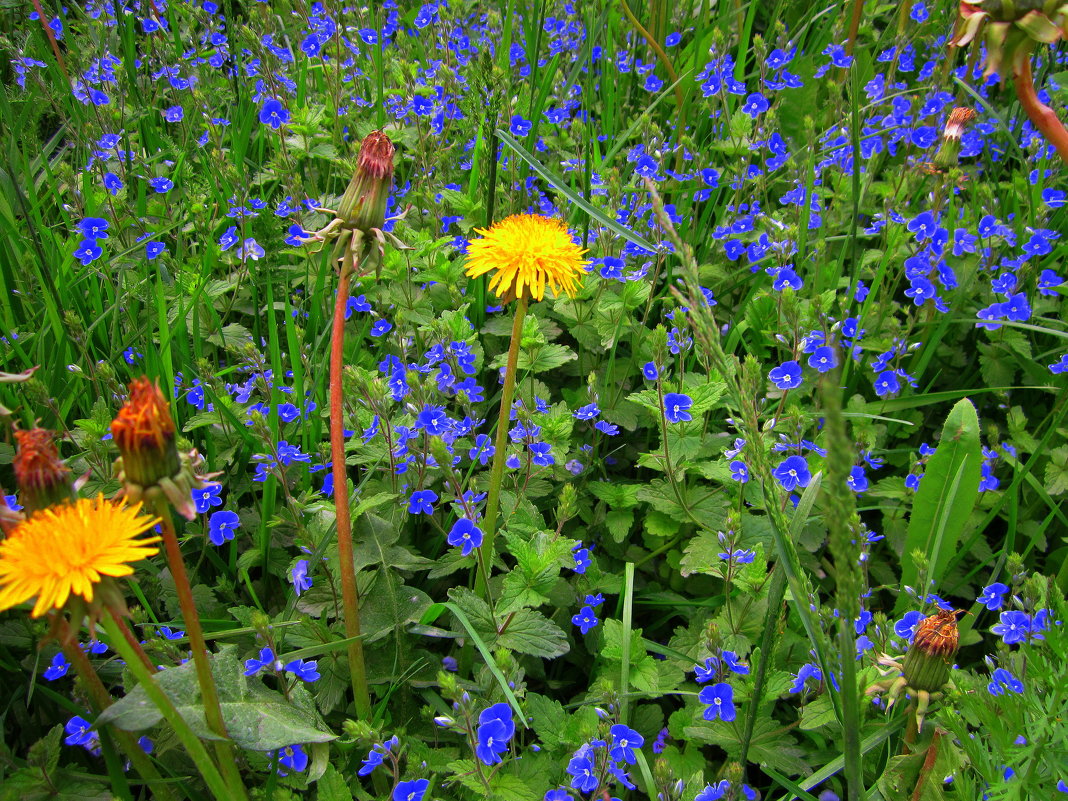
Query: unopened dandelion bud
363	206
929	658
42	478
149	465
948	154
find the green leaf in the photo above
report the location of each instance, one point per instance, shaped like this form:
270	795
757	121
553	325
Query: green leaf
947	495
332	786
924	771
504	787
547	717
818	713
1056	476
256	718
619	522
543	358
44	754
375	544
617	496
530	632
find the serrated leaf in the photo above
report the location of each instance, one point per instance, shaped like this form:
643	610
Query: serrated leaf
547	717
619	522
44	754
504	787
818	713
617	496
376	544
530	632
233	335
1056	474
543	358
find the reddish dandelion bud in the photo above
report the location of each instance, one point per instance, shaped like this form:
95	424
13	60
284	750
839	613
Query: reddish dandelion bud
363	206
149	465
42	478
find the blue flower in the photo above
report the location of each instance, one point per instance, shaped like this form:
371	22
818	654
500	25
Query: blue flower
887	383
1001	679
94	228
580	767
422	501
714	792
755	105
173	114
677	407
305	671
586	619
58	669
720	698
274	114
906	627
582	557
792	472
739	471
112	183
923	226
857	480
495	729
229	238
221	526
87	252
786	376
593	600
413	790
154	249
542	454
161	184
823	359
1013	627
624	741
520	126
993	596
267	661
79	731
300	578
808	671
292	757
465	533
650	372
730	659
381	327
206	497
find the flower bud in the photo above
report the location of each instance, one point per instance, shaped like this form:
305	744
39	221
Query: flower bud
363	206
149	465
930	656
42	478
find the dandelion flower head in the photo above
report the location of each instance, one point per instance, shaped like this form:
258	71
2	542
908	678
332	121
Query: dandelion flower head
528	252
68	549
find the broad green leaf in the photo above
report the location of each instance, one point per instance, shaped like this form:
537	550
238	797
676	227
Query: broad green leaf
617	496
947	495
256	718
547	718
504	787
1056	476
530	632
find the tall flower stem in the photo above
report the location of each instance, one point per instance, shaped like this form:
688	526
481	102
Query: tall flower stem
191	620
102	699
1043	117
193	746
500	446
350	598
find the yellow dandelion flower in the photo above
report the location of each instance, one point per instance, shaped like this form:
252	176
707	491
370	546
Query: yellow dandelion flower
528	252
67	550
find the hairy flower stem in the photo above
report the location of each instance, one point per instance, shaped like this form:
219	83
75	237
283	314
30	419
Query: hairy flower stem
132	640
193	746
209	694
102	699
350	597
493	501
1039	113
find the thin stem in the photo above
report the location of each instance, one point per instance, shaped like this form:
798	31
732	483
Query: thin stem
136	645
485	561
350	598
102	699
199	647
1039	113
193	746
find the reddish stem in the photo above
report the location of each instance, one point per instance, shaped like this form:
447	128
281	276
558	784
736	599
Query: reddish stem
350	598
1039	113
